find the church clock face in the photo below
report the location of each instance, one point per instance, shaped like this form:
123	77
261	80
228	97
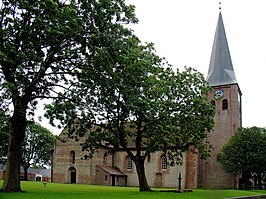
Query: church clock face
218	94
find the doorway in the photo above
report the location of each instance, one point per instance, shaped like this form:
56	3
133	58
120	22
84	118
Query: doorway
113	181
73	175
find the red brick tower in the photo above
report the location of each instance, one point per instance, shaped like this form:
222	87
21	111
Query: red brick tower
226	96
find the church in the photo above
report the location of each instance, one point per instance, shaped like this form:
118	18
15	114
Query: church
117	169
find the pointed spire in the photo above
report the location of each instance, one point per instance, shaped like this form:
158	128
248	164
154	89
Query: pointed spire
221	71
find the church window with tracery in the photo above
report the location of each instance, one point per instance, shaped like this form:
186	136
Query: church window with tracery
129	163
164	162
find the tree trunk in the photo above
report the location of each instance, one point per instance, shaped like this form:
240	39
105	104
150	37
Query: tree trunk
143	184
246	184
259	181
17	125
26	172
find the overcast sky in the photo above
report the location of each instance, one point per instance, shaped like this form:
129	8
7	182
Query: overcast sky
183	33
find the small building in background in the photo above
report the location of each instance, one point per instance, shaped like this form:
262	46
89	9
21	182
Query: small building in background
43	175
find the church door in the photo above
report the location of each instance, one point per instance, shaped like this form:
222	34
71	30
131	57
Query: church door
73	175
113	180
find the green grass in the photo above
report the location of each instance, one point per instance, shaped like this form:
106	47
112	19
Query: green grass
76	191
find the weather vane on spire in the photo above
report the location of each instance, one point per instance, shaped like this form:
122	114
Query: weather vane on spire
220	5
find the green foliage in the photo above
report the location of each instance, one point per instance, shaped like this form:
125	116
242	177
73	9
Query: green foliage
43	43
44	46
131	98
245	151
38	145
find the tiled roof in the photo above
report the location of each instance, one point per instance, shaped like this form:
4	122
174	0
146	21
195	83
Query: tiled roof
111	170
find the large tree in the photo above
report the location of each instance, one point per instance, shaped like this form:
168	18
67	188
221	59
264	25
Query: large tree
43	46
140	104
37	147
245	153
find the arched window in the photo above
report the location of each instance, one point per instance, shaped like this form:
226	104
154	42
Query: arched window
164	162
129	163
225	104
213	103
72	157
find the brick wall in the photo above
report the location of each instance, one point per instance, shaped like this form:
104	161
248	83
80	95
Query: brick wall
86	171
156	177
211	174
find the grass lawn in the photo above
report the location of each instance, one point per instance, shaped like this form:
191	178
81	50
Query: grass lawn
76	191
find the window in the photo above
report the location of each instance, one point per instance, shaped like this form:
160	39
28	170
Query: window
225	104
164	162
72	157
129	163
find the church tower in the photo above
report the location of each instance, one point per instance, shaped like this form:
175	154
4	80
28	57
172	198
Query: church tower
226	97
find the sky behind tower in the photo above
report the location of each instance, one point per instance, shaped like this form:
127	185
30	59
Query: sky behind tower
183	33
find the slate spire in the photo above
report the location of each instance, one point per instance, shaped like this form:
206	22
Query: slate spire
221	71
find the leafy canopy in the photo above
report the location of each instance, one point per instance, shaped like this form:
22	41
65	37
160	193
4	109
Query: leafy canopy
134	99
245	152
45	44
37	146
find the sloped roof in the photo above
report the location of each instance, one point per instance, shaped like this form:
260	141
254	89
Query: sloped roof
221	71
110	170
44	172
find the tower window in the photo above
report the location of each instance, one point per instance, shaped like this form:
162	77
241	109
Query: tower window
72	157
225	104
164	162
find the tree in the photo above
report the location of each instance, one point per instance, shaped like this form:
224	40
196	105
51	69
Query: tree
44	44
245	153
37	147
139	102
